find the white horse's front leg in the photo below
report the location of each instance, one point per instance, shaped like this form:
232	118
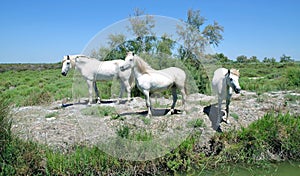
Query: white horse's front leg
122	88
227	107
90	86
128	90
148	102
220	114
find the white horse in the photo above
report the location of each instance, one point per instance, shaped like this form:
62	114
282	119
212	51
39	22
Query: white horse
223	82
151	80
94	70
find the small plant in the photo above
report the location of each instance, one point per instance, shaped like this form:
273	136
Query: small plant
205	103
292	98
141	135
195	123
52	114
100	111
235	116
146	120
123	131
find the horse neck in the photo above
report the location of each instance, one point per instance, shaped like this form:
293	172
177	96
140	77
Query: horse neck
141	67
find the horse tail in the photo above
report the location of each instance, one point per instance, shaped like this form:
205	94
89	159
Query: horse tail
185	89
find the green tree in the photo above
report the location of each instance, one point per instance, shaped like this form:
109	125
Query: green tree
141	26
194	39
285	58
221	58
165	45
269	60
253	59
242	59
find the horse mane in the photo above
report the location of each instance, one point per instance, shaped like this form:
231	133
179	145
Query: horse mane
235	72
143	67
72	58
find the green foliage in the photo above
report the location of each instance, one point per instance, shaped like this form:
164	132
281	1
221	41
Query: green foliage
33	87
123	131
5	124
99	111
271	137
196	123
262	77
292	76
53	114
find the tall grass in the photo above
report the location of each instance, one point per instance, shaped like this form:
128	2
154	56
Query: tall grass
34	87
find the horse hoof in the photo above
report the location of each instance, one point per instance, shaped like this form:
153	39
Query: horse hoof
219	130
225	121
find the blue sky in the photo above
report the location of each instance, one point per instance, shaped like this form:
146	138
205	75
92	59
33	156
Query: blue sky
38	31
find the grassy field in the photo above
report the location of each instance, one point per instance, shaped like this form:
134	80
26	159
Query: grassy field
44	84
248	146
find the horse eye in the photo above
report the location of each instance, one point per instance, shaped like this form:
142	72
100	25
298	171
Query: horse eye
130	59
230	79
68	63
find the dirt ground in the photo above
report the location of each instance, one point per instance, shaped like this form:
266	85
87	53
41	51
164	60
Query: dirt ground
63	127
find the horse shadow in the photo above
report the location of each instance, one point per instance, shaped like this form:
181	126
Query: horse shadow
101	102
155	112
212	112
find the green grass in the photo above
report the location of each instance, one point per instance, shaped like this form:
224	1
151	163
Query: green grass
52	114
35	87
100	111
272	136
196	123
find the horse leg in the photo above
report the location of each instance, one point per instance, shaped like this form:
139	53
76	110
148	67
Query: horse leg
174	95
219	114
183	93
227	107
148	103
126	86
90	86
122	88
97	92
128	90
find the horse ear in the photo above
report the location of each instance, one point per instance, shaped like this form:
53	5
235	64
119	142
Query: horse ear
68	57
228	73
132	53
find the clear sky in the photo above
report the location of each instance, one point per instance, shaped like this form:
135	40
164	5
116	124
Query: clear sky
41	31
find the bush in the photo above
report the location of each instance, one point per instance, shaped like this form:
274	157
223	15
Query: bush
292	76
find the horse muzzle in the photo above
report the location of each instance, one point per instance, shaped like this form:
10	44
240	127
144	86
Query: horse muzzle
124	67
64	73
237	90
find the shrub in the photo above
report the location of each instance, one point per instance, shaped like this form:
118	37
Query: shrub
292	76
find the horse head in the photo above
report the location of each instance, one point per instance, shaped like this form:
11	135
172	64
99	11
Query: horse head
129	61
66	65
232	80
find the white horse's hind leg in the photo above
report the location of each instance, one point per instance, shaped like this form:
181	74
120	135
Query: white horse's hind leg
174	95
90	86
183	93
148	103
97	92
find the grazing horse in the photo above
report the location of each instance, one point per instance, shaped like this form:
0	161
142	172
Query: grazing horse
223	82
94	70
151	80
